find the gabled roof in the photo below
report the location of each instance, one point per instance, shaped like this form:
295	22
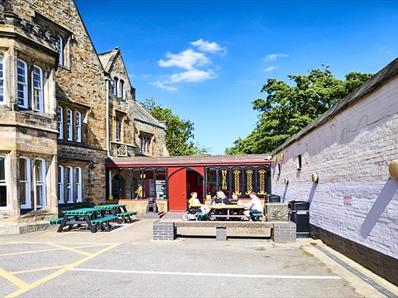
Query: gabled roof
107	58
142	115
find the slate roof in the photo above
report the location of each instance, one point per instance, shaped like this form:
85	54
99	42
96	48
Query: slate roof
142	115
107	58
249	159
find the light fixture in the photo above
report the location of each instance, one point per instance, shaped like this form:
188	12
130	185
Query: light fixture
282	156
286	181
314	177
393	169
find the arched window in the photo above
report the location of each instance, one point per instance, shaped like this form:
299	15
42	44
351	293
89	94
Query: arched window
3	184
60	122
22	84
40	182
78	128
69	125
115	86
78	185
69	184
61	185
1	79
37	89
24	183
121	89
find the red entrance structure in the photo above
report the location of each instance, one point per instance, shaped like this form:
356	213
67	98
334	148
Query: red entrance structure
171	179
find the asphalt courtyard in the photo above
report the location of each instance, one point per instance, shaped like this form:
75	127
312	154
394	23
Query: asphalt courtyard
126	262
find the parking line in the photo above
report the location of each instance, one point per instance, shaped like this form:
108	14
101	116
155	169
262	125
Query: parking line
61	271
264	276
15	280
70	249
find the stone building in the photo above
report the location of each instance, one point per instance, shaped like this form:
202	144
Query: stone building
353	206
61	111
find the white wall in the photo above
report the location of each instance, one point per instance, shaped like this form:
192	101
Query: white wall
350	153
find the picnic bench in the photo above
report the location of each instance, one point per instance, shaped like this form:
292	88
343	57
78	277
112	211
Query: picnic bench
118	210
282	231
227	212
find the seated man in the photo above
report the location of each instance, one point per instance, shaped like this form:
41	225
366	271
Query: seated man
255	206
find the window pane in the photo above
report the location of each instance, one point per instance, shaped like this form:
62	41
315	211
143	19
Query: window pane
22	193
2	169
1	79
3	196
22	169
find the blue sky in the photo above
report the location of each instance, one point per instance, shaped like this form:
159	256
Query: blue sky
208	60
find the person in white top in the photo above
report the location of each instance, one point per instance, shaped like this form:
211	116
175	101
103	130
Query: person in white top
254	205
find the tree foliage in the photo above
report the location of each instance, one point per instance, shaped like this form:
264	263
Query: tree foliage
180	132
287	108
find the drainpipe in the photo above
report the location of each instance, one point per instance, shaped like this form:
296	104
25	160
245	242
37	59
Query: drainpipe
107	116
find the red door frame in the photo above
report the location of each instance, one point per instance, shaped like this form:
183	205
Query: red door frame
177	187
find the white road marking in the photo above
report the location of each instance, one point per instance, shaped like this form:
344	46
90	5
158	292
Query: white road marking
208	274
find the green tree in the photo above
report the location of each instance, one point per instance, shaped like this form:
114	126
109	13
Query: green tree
180	132
287	108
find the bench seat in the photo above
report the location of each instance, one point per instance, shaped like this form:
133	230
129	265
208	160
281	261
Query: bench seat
103	219
127	213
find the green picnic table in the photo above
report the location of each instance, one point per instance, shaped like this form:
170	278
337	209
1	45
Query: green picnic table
91	217
117	210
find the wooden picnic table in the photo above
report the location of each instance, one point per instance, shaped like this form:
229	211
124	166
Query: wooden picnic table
227	211
78	217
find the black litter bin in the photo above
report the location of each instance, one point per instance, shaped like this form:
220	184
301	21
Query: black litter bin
300	214
274	199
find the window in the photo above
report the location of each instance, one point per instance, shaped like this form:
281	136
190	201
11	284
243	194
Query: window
3	184
60	122
24	183
61	185
145	143
1	79
40	181
22	84
118	125
78	185
121	89
115	82
37	79
299	163
78	128
69	184
60	49
69	128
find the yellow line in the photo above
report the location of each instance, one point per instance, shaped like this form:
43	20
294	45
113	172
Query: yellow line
37	269
59	272
71	249
15	280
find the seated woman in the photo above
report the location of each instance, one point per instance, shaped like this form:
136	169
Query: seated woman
195	205
220	198
255	206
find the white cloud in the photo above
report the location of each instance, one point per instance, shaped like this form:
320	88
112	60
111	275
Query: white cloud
164	85
188	76
270	68
186	59
275	56
207	46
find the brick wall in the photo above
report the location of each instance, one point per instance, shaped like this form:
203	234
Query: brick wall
355	198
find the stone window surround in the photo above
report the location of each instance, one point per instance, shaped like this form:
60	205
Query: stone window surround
146	142
119	119
38	103
30	180
2	79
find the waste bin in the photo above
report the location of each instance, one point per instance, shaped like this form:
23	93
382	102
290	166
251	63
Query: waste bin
300	214
274	199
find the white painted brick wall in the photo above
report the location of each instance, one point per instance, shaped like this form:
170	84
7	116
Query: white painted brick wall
351	154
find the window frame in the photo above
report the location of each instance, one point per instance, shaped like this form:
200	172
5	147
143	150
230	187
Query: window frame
78	126
115	86
78	180
42	183
70	183
61	52
2	79
40	90
69	125
121	89
118	129
3	183
28	183
60	122
61	185
25	104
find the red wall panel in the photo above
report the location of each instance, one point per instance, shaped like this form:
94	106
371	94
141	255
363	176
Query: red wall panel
177	189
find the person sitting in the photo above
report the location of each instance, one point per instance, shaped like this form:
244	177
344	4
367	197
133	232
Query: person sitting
220	198
255	207
194	201
194	205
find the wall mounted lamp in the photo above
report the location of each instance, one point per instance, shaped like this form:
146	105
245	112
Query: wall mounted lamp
393	169
314	177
